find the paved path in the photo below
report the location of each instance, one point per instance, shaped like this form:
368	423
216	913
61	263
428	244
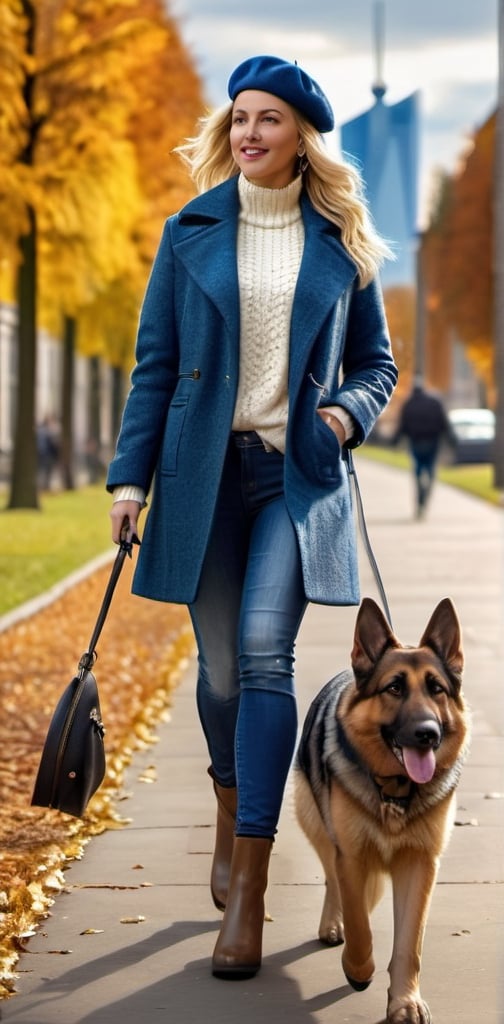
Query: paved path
158	970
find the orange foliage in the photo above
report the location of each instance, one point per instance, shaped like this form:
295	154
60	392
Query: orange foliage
457	254
400	305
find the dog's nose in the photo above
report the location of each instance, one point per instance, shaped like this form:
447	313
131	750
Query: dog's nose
428	734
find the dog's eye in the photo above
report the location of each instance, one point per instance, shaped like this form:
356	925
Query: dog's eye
395	688
434	686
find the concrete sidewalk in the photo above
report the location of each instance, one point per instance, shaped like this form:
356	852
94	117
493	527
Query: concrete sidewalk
155	871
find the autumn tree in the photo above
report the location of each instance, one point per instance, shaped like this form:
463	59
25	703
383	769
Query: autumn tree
437	314
71	192
400	305
18	219
61	73
92	198
169	102
457	257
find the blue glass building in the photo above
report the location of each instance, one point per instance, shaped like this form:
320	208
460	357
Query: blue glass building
383	144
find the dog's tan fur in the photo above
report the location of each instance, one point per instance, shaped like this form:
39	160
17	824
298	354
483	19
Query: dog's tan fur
359	808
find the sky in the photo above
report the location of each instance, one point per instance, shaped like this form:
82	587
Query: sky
446	50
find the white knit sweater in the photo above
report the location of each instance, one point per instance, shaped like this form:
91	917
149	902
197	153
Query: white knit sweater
270	247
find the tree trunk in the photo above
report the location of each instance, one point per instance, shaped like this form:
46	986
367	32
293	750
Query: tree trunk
117	401
94	401
23	486
499	263
67	405
93	445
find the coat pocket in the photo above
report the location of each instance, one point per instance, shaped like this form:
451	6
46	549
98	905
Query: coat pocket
173	432
328	454
316	384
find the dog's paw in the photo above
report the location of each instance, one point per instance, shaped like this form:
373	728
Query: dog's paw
359	986
331	934
408	1011
358	976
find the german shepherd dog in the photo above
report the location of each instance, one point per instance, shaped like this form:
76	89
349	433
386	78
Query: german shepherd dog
375	776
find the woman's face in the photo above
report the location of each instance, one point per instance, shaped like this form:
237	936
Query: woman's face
264	138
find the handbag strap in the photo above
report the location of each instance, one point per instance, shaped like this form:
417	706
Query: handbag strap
125	548
365	537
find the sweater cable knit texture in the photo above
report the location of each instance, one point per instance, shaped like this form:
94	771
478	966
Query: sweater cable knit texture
270	247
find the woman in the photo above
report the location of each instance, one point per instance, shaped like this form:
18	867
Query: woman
262	355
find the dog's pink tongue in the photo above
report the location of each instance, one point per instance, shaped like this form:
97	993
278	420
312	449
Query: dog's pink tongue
420	764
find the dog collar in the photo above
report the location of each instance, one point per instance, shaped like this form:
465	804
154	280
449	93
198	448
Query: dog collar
394	789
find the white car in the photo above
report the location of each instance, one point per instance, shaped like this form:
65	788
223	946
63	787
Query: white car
474	434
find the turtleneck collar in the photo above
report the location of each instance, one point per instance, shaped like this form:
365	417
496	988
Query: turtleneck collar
269	207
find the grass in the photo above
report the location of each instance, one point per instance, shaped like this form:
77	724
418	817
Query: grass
40	547
476	480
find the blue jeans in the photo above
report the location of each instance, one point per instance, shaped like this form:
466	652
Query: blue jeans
424	455
246	617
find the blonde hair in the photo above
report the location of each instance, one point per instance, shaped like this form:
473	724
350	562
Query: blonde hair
334	188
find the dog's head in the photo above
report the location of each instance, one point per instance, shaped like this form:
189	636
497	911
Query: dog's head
408	706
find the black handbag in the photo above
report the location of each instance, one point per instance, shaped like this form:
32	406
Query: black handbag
72	765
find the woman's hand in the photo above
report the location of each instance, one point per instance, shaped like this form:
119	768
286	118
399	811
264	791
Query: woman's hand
334	423
121	511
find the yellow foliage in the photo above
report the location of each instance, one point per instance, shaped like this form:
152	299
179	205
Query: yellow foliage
110	93
87	231
108	325
6	295
13	113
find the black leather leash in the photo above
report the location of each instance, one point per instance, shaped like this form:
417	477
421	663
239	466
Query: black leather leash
365	537
125	548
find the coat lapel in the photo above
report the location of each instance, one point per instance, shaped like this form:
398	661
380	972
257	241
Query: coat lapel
205	243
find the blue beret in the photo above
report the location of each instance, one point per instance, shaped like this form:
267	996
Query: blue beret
289	82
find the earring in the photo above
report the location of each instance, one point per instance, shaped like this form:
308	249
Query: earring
303	160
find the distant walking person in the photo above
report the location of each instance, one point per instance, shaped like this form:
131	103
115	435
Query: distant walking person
48	450
425	424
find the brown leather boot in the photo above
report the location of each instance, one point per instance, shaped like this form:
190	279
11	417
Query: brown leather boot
238	950
224	836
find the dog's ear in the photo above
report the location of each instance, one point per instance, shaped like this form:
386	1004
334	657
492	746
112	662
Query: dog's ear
443	636
372	636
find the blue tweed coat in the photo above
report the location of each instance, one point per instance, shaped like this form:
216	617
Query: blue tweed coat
178	415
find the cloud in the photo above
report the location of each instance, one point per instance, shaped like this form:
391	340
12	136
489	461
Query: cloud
351	24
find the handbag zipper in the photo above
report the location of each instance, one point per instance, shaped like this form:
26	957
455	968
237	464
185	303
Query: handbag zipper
64	738
94	717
